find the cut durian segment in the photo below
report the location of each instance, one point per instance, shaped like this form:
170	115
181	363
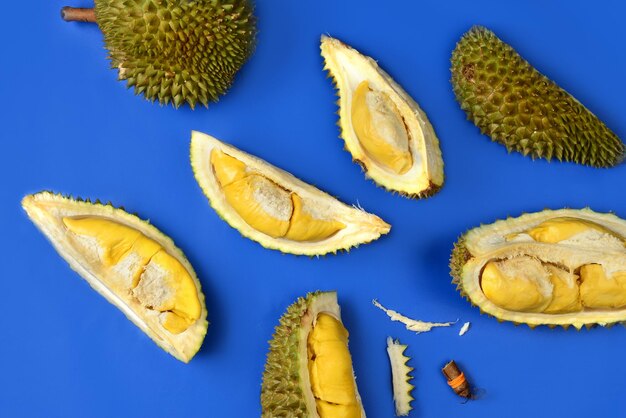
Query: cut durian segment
383	127
309	371
562	267
272	207
129	262
517	106
400	376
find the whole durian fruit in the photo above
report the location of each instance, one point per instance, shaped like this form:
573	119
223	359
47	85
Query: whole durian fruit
174	51
516	105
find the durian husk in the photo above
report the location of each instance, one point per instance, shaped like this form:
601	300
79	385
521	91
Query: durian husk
401	377
479	245
175	51
422	180
360	227
286	388
47	210
517	106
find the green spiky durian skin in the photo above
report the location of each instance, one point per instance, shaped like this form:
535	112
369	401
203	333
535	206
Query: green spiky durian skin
281	394
177	51
459	256
516	105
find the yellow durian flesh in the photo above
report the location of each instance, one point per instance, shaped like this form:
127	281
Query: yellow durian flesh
600	291
380	128
582	256
519	284
330	369
524	284
566	293
305	226
227	169
266	206
158	280
563	228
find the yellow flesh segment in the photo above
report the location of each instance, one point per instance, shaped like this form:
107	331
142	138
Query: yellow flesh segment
227	169
253	197
330	369
513	293
117	241
380	129
305	227
184	309
333	410
560	229
267	207
566	294
599	291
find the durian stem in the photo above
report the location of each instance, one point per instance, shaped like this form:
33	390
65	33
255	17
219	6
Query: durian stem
78	14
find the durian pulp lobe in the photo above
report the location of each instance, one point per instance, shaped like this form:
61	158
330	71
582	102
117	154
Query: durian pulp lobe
560	229
227	169
263	204
602	292
520	285
266	206
524	284
158	280
305	227
565	293
330	369
380	129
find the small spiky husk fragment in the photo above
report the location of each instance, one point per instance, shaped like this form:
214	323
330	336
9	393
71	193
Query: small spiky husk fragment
174	51
401	377
517	106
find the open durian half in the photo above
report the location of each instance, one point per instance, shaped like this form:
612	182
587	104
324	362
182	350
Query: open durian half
274	208
129	262
383	127
309	372
563	267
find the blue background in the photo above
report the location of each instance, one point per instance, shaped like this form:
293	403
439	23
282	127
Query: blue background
69	126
